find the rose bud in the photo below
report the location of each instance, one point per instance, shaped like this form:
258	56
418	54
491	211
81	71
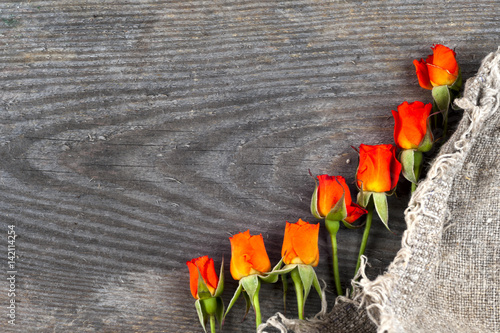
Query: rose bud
325	201
300	244
248	255
378	169
412	127
207	288
439	69
205	267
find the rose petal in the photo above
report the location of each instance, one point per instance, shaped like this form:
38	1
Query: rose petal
422	74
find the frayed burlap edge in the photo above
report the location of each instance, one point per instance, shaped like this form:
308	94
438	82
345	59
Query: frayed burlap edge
378	296
280	322
345	317
384	296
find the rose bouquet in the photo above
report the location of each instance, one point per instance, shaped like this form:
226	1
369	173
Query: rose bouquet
376	178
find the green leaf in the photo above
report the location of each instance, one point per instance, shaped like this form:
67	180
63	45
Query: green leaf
307	274
201	314
427	142
203	291
339	211
269	278
407	158
272	276
458	82
282	271
219	315
441	95
248	303
364	198
380	200
235	298
278	265
350	226
220	286
317	286
314	203
251	284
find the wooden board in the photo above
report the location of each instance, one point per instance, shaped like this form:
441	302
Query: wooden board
136	135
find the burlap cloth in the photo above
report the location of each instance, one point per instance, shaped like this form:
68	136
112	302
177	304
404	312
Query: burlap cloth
446	276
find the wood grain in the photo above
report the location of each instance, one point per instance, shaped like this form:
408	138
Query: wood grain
136	135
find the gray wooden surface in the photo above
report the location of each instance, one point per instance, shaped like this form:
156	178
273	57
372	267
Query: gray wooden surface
136	135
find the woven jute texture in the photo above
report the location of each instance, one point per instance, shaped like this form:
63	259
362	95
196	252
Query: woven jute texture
446	276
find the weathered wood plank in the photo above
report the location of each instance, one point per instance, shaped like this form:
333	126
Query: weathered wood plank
136	135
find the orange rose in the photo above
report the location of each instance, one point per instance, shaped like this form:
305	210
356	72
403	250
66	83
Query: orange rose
378	169
248	255
439	69
330	190
412	126
206	268
300	244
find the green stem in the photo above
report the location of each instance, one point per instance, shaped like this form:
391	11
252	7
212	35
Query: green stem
256	307
417	168
333	228
299	291
336	265
445	125
368	224
212	324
